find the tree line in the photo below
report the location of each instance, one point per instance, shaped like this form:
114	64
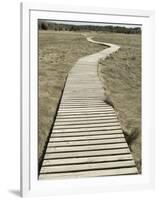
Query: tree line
70	27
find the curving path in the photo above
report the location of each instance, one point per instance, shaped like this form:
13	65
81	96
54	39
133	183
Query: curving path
87	139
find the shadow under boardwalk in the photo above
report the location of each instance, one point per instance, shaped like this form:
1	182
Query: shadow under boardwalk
87	139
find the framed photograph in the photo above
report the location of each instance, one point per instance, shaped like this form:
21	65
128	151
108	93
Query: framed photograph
87	90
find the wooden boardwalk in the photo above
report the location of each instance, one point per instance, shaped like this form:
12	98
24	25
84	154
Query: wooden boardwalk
87	139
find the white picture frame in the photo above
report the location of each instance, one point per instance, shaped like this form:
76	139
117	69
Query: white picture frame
30	185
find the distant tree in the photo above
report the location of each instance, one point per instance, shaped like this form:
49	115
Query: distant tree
70	27
44	26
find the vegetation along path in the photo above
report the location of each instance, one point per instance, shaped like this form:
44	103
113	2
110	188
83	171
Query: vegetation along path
87	139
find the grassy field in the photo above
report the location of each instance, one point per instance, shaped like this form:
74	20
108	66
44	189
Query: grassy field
121	76
58	51
120	73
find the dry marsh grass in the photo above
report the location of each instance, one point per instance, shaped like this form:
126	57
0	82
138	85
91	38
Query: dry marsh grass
58	51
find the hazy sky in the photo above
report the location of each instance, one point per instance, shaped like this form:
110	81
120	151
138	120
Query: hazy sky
95	24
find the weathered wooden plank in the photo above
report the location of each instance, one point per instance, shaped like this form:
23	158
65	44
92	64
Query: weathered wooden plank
99	124
86	148
86	116
92	159
86	119
79	101
73	97
86	99
84	167
83	135
82	103
99	121
55	155
86	129
89	133
85	109
84	77
86	142
71	135
92	173
78	126
78	94
85	113
80	91
83	81
74	137
81	106
95	95
79	88
76	101
90	91
90	87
